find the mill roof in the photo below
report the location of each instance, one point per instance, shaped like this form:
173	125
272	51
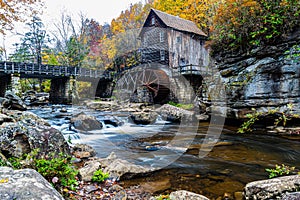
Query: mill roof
178	23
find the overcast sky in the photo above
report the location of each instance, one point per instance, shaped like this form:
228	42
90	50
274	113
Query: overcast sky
100	10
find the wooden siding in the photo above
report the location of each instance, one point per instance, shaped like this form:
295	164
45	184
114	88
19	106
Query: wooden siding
151	38
154	42
181	48
186	49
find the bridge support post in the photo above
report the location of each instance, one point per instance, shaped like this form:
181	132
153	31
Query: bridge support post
15	84
5	82
59	91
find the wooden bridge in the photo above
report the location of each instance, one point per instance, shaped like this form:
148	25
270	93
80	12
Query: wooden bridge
33	70
59	76
103	82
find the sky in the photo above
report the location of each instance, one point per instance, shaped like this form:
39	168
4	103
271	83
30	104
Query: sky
103	11
100	10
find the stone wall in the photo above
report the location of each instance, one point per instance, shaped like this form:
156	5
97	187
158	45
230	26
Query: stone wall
268	77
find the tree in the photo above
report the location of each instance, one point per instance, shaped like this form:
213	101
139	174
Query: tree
71	40
33	42
244	24
16	10
199	11
125	29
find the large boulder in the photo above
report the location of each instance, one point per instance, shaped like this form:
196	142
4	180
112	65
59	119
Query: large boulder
84	122
186	195
13	102
272	188
25	184
122	169
27	132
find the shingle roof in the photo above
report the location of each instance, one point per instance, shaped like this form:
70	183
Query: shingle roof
178	23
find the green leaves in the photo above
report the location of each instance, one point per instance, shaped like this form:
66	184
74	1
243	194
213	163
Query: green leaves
247	125
253	23
280	118
59	167
99	176
280	170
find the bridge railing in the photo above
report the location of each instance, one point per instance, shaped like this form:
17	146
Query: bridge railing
194	70
50	70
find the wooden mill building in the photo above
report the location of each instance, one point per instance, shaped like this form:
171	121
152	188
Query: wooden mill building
172	41
176	43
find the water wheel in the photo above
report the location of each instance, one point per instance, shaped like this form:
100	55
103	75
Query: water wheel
155	80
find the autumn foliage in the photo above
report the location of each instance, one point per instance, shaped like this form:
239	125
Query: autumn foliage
16	10
246	24
232	25
238	24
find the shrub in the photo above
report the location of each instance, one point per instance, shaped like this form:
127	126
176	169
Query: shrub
58	170
242	25
99	176
280	170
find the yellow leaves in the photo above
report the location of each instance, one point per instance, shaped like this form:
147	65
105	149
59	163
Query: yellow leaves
199	11
5	180
249	4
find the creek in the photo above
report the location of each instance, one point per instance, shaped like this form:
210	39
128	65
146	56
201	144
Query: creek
235	160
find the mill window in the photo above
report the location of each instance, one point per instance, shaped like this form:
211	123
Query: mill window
152	20
161	36
145	40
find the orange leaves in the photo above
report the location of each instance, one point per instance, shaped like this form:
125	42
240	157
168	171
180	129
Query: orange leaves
16	10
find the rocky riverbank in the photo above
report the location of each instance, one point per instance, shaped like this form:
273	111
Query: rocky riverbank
22	131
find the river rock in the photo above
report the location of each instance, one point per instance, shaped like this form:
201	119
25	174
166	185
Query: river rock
173	113
83	151
5	118
32	98
29	132
122	169
291	196
186	195
25	184
120	195
85	122
14	102
143	117
102	105
272	188
112	120
88	170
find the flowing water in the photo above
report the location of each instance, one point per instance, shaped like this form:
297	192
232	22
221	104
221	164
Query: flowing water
234	161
